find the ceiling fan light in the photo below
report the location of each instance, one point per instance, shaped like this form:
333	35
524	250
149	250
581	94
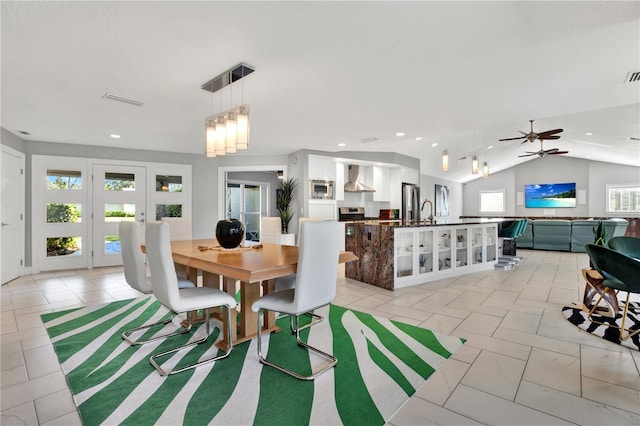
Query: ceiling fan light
474	164
445	160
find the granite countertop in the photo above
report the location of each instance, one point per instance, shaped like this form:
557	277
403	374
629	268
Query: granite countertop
426	223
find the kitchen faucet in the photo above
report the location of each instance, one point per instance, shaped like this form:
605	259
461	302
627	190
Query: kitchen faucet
431	209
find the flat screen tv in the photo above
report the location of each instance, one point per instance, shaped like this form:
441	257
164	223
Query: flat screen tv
550	195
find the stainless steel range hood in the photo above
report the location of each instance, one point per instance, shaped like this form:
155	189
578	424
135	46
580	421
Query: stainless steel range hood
354	185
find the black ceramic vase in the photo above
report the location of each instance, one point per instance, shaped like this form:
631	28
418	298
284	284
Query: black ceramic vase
229	233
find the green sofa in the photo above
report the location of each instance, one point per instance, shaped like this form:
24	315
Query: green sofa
552	234
582	231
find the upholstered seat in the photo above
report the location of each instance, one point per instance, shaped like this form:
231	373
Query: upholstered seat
620	273
270	230
552	234
166	291
315	286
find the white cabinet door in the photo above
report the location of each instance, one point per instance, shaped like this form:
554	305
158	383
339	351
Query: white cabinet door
381	183
322	167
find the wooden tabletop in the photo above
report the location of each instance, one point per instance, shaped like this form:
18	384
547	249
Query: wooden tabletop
246	264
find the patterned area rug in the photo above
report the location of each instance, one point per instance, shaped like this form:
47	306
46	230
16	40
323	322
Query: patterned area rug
578	317
381	364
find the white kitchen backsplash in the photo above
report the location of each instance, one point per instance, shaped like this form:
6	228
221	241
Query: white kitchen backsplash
363	199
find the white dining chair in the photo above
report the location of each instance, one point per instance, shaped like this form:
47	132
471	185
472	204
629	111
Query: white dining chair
180	228
133	261
289	281
270	230
165	290
315	287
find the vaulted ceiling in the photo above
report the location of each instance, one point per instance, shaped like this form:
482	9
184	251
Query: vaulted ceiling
457	74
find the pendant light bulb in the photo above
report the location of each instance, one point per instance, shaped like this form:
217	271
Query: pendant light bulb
242	120
232	132
474	164
210	138
485	170
221	136
445	160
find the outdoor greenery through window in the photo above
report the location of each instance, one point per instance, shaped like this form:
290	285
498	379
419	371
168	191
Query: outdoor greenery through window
64	179
623	199
64	213
168	210
492	201
119	181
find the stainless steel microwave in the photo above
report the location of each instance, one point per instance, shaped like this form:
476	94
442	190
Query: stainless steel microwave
322	189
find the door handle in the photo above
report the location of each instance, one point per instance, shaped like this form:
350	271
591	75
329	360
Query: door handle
141	220
5	224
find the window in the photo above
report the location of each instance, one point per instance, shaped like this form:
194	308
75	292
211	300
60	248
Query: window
492	201
623	198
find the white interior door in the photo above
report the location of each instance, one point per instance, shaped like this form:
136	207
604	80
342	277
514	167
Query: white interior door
13	186
119	193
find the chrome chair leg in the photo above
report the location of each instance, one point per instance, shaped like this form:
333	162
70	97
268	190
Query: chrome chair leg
332	359
164	372
315	319
126	335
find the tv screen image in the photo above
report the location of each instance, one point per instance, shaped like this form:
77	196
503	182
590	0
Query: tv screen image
550	195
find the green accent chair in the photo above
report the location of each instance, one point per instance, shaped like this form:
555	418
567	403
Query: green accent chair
629	246
525	239
552	234
509	229
620	273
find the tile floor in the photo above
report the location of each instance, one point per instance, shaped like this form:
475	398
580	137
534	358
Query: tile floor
523	362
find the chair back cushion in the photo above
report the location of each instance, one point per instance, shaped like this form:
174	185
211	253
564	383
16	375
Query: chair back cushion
179	228
270	230
132	256
626	245
163	271
319	252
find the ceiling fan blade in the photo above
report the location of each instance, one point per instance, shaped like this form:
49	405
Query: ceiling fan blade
550	132
551	150
510	139
549	137
558	152
528	155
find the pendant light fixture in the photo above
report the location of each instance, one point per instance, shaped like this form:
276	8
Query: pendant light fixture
474	164
485	170
227	132
445	160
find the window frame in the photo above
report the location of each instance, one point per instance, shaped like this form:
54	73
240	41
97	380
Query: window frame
502	191
608	188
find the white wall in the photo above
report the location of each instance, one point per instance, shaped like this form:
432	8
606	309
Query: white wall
428	190
589	176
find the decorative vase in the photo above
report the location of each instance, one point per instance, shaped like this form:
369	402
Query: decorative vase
229	233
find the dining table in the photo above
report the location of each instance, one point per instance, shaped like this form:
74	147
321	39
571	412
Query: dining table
249	270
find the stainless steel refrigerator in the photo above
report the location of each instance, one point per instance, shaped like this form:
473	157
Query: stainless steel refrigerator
410	201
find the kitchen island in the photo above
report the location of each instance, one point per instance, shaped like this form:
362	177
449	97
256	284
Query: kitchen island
399	254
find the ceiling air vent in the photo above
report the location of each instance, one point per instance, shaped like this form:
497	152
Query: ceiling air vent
121	99
632	76
368	140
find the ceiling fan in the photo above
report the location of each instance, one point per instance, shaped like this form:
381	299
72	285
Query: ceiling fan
532	136
544	152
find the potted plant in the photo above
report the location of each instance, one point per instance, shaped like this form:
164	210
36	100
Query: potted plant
599	237
284	198
460	238
422	259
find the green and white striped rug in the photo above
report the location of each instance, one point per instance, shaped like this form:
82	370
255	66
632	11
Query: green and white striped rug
381	364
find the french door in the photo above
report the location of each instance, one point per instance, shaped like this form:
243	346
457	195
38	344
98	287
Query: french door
118	194
244	202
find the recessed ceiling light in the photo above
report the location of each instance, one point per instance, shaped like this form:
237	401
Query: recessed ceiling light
490	147
588	133
434	144
400	134
419	138
342	144
115	136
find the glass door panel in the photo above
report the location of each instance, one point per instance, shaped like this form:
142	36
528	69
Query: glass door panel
118	194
